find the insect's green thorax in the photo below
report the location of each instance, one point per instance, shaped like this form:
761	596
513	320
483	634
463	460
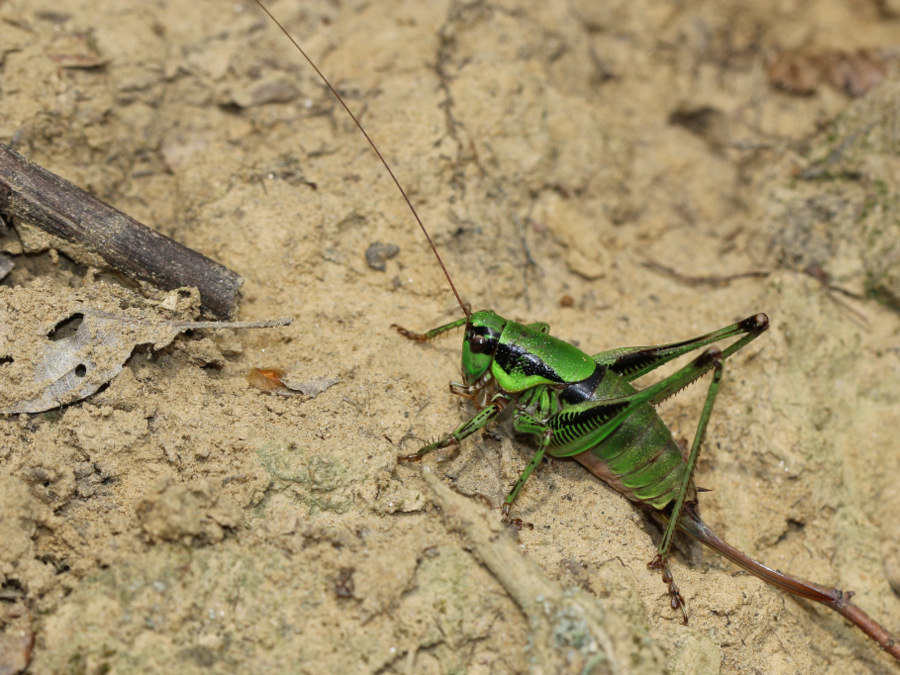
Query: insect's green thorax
520	357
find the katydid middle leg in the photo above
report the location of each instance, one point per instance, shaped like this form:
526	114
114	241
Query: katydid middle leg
479	421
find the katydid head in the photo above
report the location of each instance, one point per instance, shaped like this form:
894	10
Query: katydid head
482	336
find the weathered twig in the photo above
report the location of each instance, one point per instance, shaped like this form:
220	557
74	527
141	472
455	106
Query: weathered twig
554	616
56	206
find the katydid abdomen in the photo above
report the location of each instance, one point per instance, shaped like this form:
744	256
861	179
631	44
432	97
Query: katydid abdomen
640	460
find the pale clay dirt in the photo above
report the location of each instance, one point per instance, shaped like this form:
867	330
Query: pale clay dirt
182	521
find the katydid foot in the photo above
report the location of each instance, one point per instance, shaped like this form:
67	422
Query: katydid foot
677	600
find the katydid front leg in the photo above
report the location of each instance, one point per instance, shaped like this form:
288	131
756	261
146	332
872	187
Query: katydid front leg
430	335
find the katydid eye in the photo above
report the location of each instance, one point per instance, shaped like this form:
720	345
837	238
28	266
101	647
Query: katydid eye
477	344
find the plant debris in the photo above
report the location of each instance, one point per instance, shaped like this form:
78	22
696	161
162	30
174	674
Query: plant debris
56	353
277	381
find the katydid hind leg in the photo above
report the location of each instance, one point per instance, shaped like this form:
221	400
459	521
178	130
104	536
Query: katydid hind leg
633	362
661	561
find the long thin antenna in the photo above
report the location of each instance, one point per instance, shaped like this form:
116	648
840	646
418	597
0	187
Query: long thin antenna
324	79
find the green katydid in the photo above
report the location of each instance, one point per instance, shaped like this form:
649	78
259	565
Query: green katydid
585	407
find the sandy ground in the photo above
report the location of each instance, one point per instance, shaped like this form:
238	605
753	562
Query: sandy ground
181	520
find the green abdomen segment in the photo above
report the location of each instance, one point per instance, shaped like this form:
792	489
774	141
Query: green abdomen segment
638	458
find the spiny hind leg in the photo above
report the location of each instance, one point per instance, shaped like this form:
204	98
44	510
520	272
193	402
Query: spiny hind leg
633	362
661	561
677	600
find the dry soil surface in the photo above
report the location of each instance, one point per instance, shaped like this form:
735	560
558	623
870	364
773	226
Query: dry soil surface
562	155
